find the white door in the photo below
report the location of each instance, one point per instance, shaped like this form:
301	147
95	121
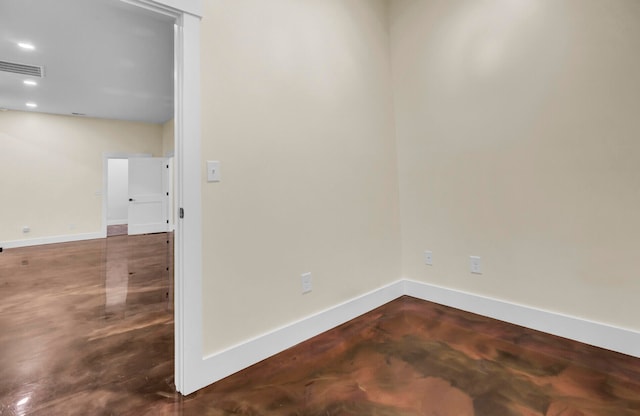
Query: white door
148	200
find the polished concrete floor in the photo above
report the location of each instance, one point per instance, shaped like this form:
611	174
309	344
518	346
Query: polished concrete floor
87	329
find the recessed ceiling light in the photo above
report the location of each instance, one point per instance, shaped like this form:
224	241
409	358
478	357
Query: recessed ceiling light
31	105
25	45
29	82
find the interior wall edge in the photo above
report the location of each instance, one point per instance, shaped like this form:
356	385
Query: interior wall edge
51	240
231	360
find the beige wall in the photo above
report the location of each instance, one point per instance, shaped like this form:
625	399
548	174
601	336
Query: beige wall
518	136
51	171
168	141
297	107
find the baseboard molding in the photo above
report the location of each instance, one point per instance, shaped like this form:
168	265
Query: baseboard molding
51	240
222	364
598	334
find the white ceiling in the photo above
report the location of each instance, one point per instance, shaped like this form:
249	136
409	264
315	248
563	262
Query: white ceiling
102	58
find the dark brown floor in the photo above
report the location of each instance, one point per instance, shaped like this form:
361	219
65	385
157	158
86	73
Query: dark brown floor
86	329
118	229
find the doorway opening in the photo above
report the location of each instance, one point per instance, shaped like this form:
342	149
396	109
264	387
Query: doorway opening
188	316
117	195
189	373
138	194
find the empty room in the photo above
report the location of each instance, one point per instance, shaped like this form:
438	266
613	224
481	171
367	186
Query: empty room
382	207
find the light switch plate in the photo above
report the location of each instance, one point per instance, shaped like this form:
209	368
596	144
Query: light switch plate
213	171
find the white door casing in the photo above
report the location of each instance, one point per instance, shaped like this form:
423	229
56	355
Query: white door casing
105	183
188	176
148	200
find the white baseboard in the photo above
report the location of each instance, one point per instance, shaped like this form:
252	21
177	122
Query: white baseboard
222	364
51	240
593	333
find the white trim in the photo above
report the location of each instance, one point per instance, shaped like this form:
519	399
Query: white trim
224	363
231	360
50	240
188	233
188	236
599	334
170	7
171	188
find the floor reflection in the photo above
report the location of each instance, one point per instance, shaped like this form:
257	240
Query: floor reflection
116	275
86	327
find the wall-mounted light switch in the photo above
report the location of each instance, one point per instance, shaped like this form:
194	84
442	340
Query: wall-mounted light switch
213	171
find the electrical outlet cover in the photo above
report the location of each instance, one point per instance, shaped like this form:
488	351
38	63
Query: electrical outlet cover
306	283
428	258
474	262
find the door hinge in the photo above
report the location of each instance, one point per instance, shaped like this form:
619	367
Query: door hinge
181	212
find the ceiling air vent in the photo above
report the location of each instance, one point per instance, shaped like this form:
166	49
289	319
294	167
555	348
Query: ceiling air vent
24	69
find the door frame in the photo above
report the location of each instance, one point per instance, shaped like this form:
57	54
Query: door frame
188	177
105	183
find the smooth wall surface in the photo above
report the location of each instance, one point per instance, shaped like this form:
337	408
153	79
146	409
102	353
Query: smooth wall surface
297	107
51	170
118	191
168	139
517	129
